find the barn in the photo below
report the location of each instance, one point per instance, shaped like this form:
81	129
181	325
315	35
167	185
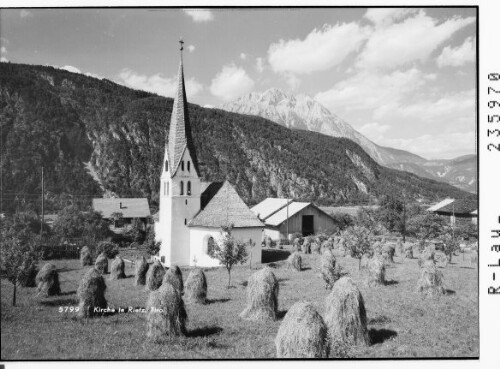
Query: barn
283	217
457	209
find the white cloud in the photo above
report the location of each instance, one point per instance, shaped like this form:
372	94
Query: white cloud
3	59
157	83
26	14
200	15
458	56
191	48
71	69
208	106
243	56
231	83
365	90
292	81
413	39
383	17
374	130
259	64
322	49
3	50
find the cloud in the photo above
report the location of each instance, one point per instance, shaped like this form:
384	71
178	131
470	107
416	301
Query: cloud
3	59
3	53
458	56
292	81
208	106
157	83
191	48
200	15
365	90
411	40
25	14
231	83
71	69
322	49
259	64
243	56
383	17
374	130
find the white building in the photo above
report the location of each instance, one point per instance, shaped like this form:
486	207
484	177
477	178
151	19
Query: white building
191	212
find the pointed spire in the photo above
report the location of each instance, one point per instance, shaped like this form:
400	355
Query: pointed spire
180	128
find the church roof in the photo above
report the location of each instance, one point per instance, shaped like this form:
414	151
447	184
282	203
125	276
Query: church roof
221	205
180	136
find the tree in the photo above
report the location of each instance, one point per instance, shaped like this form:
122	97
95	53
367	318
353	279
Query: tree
228	251
152	247
342	220
426	226
357	242
136	232
19	251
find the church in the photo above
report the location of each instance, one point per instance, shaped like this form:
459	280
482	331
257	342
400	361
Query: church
191	211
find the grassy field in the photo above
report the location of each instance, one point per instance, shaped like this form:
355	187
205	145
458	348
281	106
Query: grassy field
402	324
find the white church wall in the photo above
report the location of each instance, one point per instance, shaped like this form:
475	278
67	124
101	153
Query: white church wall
199	241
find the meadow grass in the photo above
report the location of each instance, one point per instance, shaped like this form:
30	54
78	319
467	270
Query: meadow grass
402	323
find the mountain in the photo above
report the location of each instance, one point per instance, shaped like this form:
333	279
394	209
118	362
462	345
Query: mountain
304	113
93	136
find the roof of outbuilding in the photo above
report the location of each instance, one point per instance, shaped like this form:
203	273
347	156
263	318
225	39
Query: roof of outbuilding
269	206
129	207
440	204
221	205
280	216
459	206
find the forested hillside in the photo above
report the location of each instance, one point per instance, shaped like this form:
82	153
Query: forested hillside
78	127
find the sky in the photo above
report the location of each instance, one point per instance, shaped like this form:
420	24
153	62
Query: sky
403	77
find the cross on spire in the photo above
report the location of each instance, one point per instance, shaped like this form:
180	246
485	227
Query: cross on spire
182	43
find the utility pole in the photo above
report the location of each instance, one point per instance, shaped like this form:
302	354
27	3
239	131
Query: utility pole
287	227
404	217
43	203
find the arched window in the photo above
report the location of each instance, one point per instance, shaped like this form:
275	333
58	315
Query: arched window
208	245
182	165
168	187
182	188
165	188
166	165
189	166
189	188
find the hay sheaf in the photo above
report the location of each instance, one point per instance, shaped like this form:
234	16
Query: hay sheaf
345	314
428	254
154	277
141	269
295	261
47	281
195	289
365	260
262	296
91	293
174	277
297	245
327	245
388	251
441	259
101	263
302	334
376	272
85	256
408	251
165	314
118	269
306	246
330	270
315	248
431	280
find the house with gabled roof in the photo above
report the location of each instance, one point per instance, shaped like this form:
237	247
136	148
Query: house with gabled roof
283	217
191	212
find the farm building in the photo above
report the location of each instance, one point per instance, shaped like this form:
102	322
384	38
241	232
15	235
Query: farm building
457	208
284	217
350	210
129	208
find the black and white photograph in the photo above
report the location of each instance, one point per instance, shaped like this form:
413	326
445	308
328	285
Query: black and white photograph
240	183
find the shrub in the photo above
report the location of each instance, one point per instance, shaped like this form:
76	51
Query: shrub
109	249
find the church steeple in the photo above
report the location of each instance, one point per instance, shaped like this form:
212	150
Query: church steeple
180	136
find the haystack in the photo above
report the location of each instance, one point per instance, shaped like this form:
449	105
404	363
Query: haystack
262	296
388	252
302	334
297	245
141	269
329	269
428	254
408	251
101	263
85	257
47	281
376	272
345	314
473	258
165	314
174	277
118	269
154	277
91	293
306	246
315	248
295	261
441	259
327	245
431	280
377	248
195	290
